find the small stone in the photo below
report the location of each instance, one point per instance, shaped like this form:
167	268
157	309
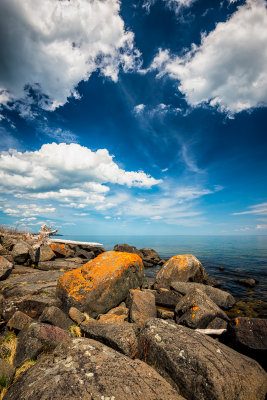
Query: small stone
76	315
19	320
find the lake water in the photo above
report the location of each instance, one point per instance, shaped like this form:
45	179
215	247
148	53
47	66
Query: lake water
241	256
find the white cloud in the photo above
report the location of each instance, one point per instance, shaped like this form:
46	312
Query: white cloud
263	226
52	45
159	110
28	210
175	5
228	68
139	108
70	174
156	217
81	214
258	209
107	217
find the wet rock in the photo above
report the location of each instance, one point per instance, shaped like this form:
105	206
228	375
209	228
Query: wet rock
54	316
61	250
5	268
76	315
66	264
181	268
197	310
35	338
128	249
247	282
249	336
7	372
201	367
102	283
120	337
223	299
19	321
142	306
67	374
20	252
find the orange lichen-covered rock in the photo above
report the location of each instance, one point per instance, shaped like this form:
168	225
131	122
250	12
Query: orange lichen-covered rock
102	283
181	268
61	250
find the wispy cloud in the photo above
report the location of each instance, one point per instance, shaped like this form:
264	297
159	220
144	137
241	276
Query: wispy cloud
258	209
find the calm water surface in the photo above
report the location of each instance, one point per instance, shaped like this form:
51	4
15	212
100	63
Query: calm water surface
241	256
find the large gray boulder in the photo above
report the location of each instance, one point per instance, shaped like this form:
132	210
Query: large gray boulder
128	249
223	299
102	283
119	336
20	252
197	310
88	370
201	367
35	338
181	268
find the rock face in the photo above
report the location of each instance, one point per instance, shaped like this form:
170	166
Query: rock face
150	257
102	283
36	338
54	316
249	336
142	306
181	268
197	310
223	299
201	367
43	253
20	252
5	268
119	336
72	372
128	249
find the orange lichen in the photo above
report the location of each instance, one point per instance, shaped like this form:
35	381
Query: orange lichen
236	321
55	246
110	318
101	270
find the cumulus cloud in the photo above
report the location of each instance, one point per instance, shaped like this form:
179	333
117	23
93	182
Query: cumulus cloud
258	209
159	110
52	45
228	68
262	226
68	173
28	210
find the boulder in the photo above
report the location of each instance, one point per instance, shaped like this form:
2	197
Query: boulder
223	299
201	367
19	320
5	268
217	323
35	338
85	369
120	319
197	310
119	336
247	282
65	264
142	306
102	283
167	298
85	255
120	310
128	249
76	315
150	257
165	314
20	252
181	268
54	316
61	250
7	372
249	336
42	253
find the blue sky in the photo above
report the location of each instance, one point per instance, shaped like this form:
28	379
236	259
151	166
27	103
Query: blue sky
134	117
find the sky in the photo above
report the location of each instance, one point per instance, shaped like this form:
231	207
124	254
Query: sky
134	117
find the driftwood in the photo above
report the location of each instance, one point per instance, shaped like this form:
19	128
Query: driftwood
75	242
44	235
211	331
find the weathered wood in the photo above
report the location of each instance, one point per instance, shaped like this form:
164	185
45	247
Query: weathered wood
75	242
211	331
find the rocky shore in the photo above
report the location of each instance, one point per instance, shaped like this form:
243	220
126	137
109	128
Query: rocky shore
79	322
